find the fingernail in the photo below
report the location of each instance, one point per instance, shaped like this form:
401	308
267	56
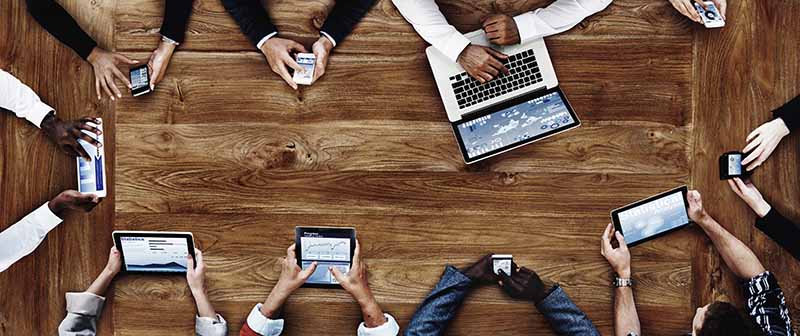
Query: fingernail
119	95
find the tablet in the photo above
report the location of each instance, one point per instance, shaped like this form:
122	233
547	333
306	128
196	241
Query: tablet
92	172
652	217
329	247
154	252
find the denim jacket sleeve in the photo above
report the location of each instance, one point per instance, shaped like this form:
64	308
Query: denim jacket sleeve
564	316
440	306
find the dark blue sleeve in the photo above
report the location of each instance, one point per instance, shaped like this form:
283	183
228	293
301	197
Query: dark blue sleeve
440	306
564	316
176	17
782	231
56	21
790	113
251	17
344	17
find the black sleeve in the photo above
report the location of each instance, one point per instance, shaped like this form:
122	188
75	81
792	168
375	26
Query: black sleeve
53	18
790	113
176	16
782	231
252	18
344	17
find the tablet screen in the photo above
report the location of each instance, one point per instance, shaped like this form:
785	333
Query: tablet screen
519	123
652	217
155	254
327	252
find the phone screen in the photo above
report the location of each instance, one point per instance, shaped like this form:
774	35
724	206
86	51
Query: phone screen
735	164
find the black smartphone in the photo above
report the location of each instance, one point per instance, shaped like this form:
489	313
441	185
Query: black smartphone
140	80
730	166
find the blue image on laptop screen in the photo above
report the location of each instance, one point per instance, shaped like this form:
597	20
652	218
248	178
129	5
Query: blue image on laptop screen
654	217
515	124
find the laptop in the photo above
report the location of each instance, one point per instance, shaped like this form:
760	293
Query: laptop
511	110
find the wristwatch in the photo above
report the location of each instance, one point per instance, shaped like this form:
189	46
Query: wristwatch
620	282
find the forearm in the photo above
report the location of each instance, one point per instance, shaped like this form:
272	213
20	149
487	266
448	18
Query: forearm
440	306
204	307
21	100
739	258
53	18
781	230
556	18
432	26
100	285
372	313
626	319
273	304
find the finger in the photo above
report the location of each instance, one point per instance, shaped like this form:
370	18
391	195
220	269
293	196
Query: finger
701	3
90	119
752	156
491	19
199	256
503	275
755	142
124	59
491	71
621	241
84	126
357	253
121	77
76	149
297	47
753	134
337	274
722	6
739	184
97	87
487	77
290	252
293	64
87	138
111	88
284	73
497	54
114	250
734	187
493	35
306	273
691	10
189	264
494	63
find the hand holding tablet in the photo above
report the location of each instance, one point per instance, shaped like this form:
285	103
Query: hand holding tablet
328	248
652	217
154	252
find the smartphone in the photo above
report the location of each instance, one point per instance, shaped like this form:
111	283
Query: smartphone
307	62
711	16
140	80
92	172
502	262
730	166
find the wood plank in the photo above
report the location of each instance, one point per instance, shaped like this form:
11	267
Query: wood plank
226	189
588	69
212	29
403	146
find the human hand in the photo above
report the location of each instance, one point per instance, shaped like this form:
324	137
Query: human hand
196	272
750	194
762	142
501	29
321	49
696	211
71	199
292	277
481	271
106	67
278	52
523	284
114	264
65	134
158	63
482	63
686	8
619	258
356	283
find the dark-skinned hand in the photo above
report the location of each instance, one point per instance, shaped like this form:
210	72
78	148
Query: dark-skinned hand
481	272
501	29
524	284
482	63
65	134
73	200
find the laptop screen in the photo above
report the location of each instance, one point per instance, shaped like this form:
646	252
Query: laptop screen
514	123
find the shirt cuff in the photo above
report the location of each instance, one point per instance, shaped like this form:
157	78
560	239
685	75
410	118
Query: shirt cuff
38	112
530	26
329	37
206	326
454	46
263	325
390	328
85	303
46	218
264	39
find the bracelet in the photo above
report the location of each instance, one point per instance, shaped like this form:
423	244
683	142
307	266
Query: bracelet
620	282
169	40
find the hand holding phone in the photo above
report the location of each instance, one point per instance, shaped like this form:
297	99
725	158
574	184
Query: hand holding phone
140	80
307	61
710	15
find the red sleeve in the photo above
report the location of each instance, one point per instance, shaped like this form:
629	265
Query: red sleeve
246	331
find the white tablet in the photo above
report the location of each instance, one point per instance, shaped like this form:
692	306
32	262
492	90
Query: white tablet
154	252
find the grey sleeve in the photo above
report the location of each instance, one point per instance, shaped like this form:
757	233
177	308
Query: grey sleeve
83	309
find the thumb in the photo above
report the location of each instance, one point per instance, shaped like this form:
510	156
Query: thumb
306	273
621	240
337	274
189	264
503	277
294	46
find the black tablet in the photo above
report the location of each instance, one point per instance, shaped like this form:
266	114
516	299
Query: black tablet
329	247
652	217
154	252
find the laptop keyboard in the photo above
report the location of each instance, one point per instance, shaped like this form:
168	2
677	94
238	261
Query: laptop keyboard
523	72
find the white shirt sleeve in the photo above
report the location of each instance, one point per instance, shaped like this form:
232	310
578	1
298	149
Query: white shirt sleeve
390	328
22	238
429	23
557	18
20	99
206	326
263	325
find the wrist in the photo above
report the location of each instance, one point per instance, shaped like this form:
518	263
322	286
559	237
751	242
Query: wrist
49	122
373	314
624	273
167	46
272	305
762	209
56	206
782	126
325	42
93	55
